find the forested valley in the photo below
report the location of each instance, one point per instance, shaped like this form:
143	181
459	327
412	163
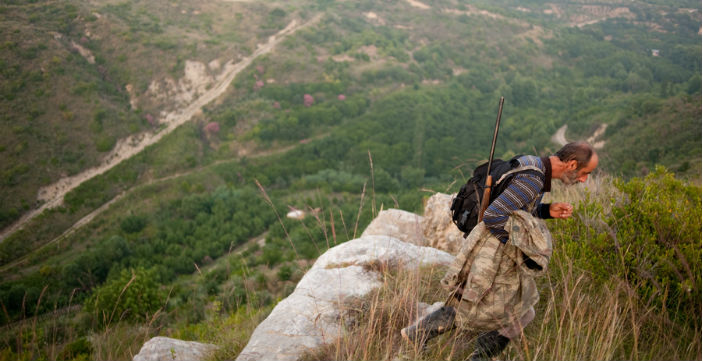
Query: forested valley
375	105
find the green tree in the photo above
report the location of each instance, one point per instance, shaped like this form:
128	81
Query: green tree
384	182
412	177
524	91
133	223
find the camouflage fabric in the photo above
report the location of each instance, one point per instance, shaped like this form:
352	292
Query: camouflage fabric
500	287
530	237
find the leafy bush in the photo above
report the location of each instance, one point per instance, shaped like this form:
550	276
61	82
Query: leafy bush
133	223
651	238
105	143
79	349
661	224
285	272
132	296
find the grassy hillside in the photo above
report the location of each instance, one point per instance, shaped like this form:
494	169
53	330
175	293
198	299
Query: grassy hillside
76	77
413	89
604	297
61	111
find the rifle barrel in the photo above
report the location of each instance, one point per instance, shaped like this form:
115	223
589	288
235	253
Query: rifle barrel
489	180
484	201
495	133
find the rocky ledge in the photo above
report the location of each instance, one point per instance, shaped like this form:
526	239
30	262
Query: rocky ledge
314	313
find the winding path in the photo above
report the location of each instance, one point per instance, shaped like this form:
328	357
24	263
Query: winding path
559	137
53	195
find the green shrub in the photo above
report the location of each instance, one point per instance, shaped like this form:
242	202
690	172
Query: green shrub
271	255
105	143
11	177
133	296
133	223
285	272
660	225
79	349
651	238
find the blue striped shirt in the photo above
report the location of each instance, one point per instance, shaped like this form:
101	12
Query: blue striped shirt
524	191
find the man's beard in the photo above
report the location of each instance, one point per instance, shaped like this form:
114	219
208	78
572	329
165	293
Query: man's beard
569	177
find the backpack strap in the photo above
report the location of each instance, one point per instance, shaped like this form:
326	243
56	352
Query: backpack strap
520	169
527	169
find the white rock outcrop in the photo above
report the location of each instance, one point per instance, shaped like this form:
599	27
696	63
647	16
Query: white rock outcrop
170	349
439	230
314	313
399	224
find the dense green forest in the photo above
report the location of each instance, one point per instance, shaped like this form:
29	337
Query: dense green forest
353	114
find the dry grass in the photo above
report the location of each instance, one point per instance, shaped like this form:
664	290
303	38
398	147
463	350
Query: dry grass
374	330
576	320
121	341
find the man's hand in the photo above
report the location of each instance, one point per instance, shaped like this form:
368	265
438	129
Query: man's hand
560	210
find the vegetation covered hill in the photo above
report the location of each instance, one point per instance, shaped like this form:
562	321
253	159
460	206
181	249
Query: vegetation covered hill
78	76
370	107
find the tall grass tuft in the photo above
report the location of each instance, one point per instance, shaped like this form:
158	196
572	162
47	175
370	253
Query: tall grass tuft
121	341
374	330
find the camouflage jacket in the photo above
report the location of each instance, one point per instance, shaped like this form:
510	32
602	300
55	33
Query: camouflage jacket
500	284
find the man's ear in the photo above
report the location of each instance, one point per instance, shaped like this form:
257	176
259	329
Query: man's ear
572	164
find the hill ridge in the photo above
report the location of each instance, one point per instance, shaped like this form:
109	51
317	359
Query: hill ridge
52	195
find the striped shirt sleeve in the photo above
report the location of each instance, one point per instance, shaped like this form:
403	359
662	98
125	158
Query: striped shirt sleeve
521	192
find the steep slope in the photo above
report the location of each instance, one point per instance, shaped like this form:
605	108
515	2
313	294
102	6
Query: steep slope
80	76
52	195
373	106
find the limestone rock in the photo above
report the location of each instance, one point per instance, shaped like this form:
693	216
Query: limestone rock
369	250
439	230
398	224
169	349
311	315
319	308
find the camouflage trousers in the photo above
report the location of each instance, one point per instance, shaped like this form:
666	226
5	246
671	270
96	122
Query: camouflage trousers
500	290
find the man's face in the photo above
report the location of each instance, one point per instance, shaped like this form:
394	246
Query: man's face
574	175
569	177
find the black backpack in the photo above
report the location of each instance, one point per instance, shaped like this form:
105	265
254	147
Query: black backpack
467	203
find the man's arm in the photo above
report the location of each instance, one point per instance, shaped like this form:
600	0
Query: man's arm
523	189
542	211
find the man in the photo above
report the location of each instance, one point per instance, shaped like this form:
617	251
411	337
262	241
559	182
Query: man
505	252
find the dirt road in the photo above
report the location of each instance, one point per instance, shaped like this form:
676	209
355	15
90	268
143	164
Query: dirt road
53	195
559	137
